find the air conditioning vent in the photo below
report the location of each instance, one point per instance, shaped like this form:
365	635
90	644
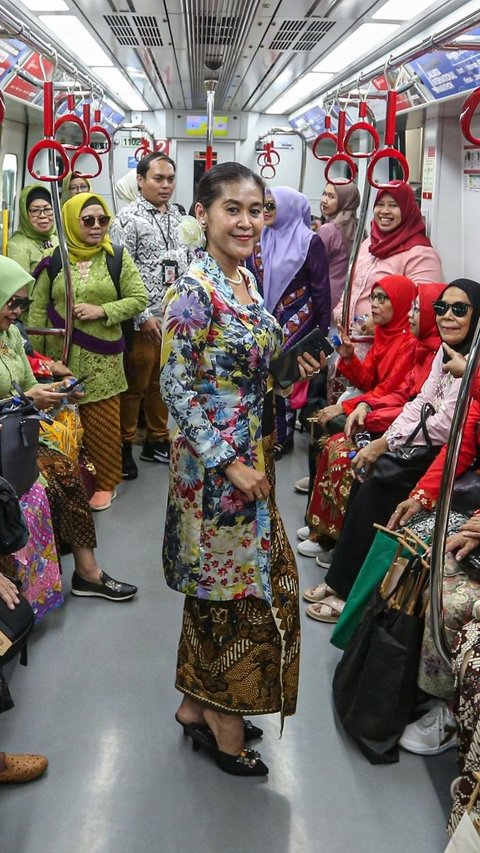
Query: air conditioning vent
122	30
313	35
288	32
210	30
148	30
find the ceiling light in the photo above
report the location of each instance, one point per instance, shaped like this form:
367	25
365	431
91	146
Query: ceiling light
72	33
116	82
401	10
362	41
298	92
46	5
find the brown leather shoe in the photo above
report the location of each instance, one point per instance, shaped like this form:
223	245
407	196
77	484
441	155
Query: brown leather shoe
22	768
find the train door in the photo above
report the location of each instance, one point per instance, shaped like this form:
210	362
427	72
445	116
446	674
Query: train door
191	165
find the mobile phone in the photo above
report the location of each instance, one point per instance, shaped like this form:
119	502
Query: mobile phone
71	387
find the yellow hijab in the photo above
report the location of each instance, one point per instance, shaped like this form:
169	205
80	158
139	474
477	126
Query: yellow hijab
71	210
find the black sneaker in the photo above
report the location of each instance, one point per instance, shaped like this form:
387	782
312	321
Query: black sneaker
108	588
129	467
156	451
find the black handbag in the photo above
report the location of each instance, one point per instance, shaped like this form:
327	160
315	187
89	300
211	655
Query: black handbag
375	683
15	626
409	462
13	529
466	492
20	424
285	369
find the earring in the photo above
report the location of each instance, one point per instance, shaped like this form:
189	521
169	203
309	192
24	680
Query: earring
203	223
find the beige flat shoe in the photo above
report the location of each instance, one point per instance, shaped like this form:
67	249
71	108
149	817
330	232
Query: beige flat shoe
327	610
317	593
22	768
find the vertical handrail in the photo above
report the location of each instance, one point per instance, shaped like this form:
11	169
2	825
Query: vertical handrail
111	169
67	272
444	500
362	218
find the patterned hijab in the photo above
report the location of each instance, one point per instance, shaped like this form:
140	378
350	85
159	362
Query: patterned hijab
71	210
27	196
345	219
285	244
12	278
410	232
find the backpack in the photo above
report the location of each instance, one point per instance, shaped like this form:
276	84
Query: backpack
114	264
13	529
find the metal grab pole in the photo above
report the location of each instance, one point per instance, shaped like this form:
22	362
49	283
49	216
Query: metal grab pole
362	218
67	273
211	85
111	170
444	501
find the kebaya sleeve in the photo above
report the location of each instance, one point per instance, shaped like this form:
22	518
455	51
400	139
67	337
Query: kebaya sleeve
319	282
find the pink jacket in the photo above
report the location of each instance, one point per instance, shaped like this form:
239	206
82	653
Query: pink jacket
337	257
420	263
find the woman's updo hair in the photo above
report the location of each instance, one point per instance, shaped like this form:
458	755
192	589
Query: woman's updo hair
92	200
211	183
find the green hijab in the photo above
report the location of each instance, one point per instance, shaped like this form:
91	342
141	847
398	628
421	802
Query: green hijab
12	278
66	186
25	227
71	210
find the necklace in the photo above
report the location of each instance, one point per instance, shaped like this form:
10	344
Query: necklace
239	280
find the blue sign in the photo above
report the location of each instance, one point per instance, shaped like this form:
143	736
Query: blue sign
450	72
309	123
132	163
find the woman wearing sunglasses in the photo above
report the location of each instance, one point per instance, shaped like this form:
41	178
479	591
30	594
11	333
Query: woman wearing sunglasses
98	343
296	286
36	231
373	500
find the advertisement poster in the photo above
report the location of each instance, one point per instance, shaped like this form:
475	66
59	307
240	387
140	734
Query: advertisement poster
428	176
19	88
471	168
449	72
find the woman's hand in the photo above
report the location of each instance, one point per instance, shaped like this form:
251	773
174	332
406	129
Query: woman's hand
85	311
328	413
152	330
45	396
403	513
367	456
462	542
8	592
309	366
252	483
59	369
346	348
356	419
456	363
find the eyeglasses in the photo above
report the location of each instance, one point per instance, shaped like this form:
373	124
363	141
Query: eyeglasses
269	206
22	302
414	308
81	188
379	297
458	309
40	211
90	221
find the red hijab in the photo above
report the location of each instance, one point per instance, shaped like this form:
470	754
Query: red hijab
396	334
429	340
410	232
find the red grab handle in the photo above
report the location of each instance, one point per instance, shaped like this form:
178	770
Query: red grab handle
393	154
48	109
390	118
53	145
340	158
72	119
2	108
466	116
327	134
362	126
85	149
97	128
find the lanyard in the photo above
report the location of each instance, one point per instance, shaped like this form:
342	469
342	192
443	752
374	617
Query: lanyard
165	237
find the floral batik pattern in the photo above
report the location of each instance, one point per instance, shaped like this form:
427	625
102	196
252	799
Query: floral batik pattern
214	369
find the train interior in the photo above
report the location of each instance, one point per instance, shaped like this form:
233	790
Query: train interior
208	81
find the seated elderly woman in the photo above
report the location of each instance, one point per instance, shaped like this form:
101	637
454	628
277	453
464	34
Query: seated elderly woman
37	565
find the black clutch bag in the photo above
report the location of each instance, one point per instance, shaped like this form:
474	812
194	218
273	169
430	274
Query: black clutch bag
285	369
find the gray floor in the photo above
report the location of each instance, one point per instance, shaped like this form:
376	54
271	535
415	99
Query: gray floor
98	699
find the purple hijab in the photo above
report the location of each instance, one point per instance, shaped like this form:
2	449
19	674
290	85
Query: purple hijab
285	244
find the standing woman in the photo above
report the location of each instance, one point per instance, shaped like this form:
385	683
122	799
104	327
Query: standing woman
339	206
296	285
98	344
225	547
36	231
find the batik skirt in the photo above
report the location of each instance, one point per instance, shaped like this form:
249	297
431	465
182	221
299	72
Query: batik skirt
102	440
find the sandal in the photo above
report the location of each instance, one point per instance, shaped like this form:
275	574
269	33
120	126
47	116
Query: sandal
318	592
327	610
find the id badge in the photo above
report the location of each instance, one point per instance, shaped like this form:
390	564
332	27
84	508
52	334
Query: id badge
169	271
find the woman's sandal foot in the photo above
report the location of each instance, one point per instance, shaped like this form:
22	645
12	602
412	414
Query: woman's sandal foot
328	610
317	593
250	732
247	763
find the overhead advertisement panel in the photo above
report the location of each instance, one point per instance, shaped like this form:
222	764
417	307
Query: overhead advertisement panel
11	52
450	72
310	123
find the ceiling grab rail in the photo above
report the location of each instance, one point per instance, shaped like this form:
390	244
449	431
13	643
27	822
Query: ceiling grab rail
389	151
466	116
286	131
362	125
341	156
444	500
86	149
268	158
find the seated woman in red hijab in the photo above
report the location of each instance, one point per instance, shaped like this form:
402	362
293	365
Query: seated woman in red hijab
401	370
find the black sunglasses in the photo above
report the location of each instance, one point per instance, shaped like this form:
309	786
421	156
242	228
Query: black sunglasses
22	302
269	206
90	221
458	309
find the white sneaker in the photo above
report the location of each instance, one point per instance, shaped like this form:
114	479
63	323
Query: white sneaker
303	532
302	485
433	733
324	560
309	548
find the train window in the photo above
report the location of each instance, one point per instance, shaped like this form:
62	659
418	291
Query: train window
9	186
